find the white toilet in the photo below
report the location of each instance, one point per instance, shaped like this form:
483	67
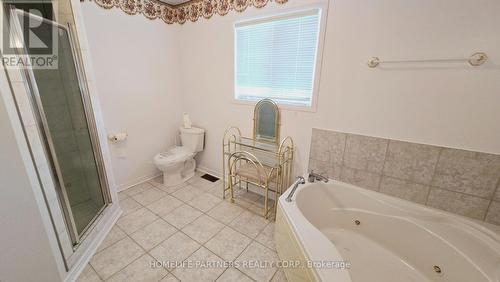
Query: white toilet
178	164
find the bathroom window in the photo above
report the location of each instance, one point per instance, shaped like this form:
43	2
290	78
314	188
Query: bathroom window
277	58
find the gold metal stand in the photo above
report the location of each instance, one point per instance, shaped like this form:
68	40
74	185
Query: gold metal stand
262	164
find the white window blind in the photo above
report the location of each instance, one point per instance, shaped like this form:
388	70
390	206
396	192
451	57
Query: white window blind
276	58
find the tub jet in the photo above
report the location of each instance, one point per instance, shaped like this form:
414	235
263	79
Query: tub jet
437	269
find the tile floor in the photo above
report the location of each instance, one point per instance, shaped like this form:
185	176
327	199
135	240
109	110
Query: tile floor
189	223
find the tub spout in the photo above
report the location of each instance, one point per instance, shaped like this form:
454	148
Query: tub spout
300	180
316	176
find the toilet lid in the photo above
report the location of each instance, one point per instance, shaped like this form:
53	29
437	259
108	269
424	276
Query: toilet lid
175	154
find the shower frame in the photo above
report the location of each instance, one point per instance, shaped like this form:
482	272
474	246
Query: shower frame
43	128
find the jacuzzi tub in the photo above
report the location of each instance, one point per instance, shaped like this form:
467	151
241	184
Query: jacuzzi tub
354	234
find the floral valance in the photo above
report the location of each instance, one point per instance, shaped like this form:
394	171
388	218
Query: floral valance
192	10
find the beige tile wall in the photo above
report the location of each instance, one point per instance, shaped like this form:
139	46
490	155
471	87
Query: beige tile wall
458	181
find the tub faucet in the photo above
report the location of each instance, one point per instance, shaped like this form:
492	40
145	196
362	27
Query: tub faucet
316	176
300	180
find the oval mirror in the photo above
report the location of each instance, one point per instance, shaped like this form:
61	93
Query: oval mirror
266	121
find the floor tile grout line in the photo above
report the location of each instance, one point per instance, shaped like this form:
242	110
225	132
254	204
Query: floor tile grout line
177	278
115	225
148	252
216	256
171	271
129	262
202	210
237	256
246	275
93	269
248	210
128	235
177	188
201	246
168	273
228	225
145	206
253	241
277	269
232	230
180	230
151	255
242	251
187	203
142	183
184	224
276	273
229	221
225	225
227	268
183	259
265	246
161	216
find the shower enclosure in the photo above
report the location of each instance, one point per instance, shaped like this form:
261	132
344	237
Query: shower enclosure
60	100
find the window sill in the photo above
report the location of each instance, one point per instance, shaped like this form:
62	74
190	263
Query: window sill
284	107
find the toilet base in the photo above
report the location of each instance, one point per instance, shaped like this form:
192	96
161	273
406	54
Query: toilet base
180	174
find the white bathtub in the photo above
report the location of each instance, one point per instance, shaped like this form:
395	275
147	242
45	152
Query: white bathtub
395	240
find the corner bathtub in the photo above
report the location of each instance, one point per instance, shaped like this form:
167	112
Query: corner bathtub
383	238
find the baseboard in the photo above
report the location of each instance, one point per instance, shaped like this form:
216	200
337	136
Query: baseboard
82	262
136	181
143	179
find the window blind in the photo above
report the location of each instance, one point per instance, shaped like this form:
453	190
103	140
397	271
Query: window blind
276	58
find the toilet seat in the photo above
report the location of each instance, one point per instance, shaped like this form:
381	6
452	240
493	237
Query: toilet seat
174	155
178	164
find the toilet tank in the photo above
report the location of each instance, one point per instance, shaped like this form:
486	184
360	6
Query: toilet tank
193	138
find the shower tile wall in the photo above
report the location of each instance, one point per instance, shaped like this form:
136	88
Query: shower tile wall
58	113
64	112
458	181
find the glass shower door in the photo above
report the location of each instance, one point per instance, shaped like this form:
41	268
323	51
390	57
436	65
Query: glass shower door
65	118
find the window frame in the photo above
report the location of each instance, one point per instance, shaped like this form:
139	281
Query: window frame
322	8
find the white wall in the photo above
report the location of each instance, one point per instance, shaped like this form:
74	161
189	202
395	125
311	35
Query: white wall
136	68
441	104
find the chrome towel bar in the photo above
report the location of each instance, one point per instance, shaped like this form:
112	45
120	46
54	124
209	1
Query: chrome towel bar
475	60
